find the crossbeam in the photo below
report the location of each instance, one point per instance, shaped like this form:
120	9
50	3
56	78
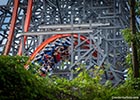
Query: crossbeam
74	25
56	32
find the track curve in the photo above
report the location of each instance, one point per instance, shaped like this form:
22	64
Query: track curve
51	39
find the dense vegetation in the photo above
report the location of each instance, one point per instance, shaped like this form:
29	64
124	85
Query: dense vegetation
17	83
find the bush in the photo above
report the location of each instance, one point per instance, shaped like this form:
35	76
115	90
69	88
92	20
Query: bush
17	83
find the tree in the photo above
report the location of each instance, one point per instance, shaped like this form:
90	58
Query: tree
133	42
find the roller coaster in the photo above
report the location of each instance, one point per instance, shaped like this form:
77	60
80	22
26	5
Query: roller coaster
62	35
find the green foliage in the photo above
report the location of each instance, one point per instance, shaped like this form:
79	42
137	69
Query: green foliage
129	60
85	87
138	8
129	38
127	35
17	83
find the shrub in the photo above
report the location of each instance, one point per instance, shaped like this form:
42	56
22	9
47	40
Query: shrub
17	83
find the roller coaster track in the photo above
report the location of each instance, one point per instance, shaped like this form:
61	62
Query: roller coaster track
53	38
103	46
26	27
45	49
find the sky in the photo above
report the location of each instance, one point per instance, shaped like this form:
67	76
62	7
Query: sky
3	2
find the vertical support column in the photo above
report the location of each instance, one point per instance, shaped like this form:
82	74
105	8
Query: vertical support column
40	38
72	39
114	49
78	44
22	41
114	34
43	19
106	52
90	44
72	48
106	45
79	41
27	23
22	38
12	28
120	6
13	44
84	15
44	11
